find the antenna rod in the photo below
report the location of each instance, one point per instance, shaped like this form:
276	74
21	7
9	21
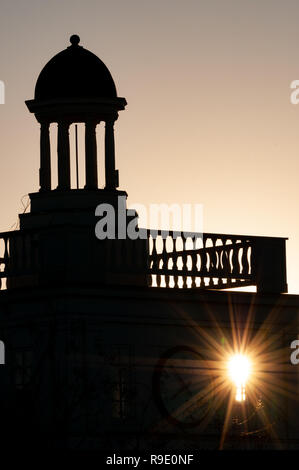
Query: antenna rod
77	162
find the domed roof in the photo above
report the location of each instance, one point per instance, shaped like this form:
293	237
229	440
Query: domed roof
75	73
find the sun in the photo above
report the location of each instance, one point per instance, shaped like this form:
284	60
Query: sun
239	367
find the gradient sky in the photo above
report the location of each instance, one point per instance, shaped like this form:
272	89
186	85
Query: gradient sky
209	118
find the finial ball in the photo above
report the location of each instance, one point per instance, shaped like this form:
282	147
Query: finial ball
74	39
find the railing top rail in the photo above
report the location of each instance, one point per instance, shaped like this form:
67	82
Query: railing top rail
175	234
151	232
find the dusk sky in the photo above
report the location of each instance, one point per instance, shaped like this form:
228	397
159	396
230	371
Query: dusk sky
209	119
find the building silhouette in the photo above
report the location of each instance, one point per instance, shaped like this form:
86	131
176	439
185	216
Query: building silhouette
121	343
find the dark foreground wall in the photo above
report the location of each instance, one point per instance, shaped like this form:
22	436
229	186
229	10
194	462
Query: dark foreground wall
146	369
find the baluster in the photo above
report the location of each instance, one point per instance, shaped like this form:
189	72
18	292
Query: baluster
160	262
235	259
211	256
225	259
244	260
184	262
164	246
164	253
175	263
213	260
204	259
193	268
216	263
230	255
150	280
175	270
250	260
159	277
218	267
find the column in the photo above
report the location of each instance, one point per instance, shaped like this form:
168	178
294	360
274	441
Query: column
91	167
63	150
110	173
45	157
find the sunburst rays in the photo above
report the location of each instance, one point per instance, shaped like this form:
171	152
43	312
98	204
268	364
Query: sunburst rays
261	340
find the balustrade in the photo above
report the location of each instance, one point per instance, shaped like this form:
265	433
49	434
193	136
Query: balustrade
167	259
